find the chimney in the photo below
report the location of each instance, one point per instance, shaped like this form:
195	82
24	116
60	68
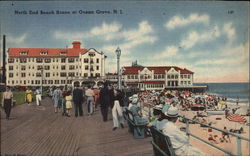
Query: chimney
76	45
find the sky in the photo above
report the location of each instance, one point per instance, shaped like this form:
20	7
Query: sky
209	38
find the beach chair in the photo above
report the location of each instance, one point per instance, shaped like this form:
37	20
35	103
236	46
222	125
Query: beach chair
129	122
161	143
138	130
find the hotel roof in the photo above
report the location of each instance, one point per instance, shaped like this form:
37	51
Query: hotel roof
157	69
48	52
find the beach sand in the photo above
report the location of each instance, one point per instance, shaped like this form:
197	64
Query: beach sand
203	133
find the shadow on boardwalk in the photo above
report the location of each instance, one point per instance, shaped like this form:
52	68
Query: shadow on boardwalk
35	130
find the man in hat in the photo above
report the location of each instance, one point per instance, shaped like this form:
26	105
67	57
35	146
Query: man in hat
178	138
159	122
105	100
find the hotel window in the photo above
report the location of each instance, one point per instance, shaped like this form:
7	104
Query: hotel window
43	53
63	67
10	74
172	76
176	76
136	76
86	67
23	53
76	59
91	60
91	68
71	74
97	60
10	60
182	76
71	60
155	76
189	82
23	75
13	81
16	74
47	74
23	68
97	67
38	74
32	82
185	76
85	74
23	60
97	75
16	59
39	60
46	67
188	76
39	67
63	53
63	60
63	74
47	60
168	76
56	60
86	60
71	67
129	77
10	67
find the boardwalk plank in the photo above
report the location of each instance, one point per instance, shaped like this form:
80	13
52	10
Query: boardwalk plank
41	132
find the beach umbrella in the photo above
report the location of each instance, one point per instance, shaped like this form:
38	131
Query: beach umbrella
222	102
236	118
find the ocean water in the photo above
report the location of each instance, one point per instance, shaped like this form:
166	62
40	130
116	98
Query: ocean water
232	91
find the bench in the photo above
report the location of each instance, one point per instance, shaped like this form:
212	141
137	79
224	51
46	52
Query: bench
161	143
138	130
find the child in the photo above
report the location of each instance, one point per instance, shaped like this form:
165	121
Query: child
68	103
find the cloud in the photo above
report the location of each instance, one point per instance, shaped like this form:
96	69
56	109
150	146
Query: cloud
168	52
126	39
179	21
17	39
193	37
229	30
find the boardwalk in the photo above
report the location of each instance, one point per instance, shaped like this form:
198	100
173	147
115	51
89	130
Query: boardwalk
38	131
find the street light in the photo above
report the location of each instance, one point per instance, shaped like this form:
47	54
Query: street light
118	53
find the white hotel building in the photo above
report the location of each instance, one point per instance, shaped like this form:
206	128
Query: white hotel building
155	77
53	67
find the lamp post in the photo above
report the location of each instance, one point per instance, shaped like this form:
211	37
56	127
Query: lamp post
118	53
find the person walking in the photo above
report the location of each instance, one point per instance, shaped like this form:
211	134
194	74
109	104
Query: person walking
96	97
68	99
57	95
28	95
90	99
7	101
64	94
78	100
105	100
38	96
116	106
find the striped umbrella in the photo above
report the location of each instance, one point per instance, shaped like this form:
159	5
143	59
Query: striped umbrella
236	118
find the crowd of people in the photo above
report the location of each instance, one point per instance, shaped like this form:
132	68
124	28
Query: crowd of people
166	106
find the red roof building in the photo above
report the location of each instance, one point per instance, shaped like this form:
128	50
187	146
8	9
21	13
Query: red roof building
53	66
157	77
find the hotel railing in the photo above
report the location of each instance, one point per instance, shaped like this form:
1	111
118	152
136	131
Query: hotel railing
239	138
